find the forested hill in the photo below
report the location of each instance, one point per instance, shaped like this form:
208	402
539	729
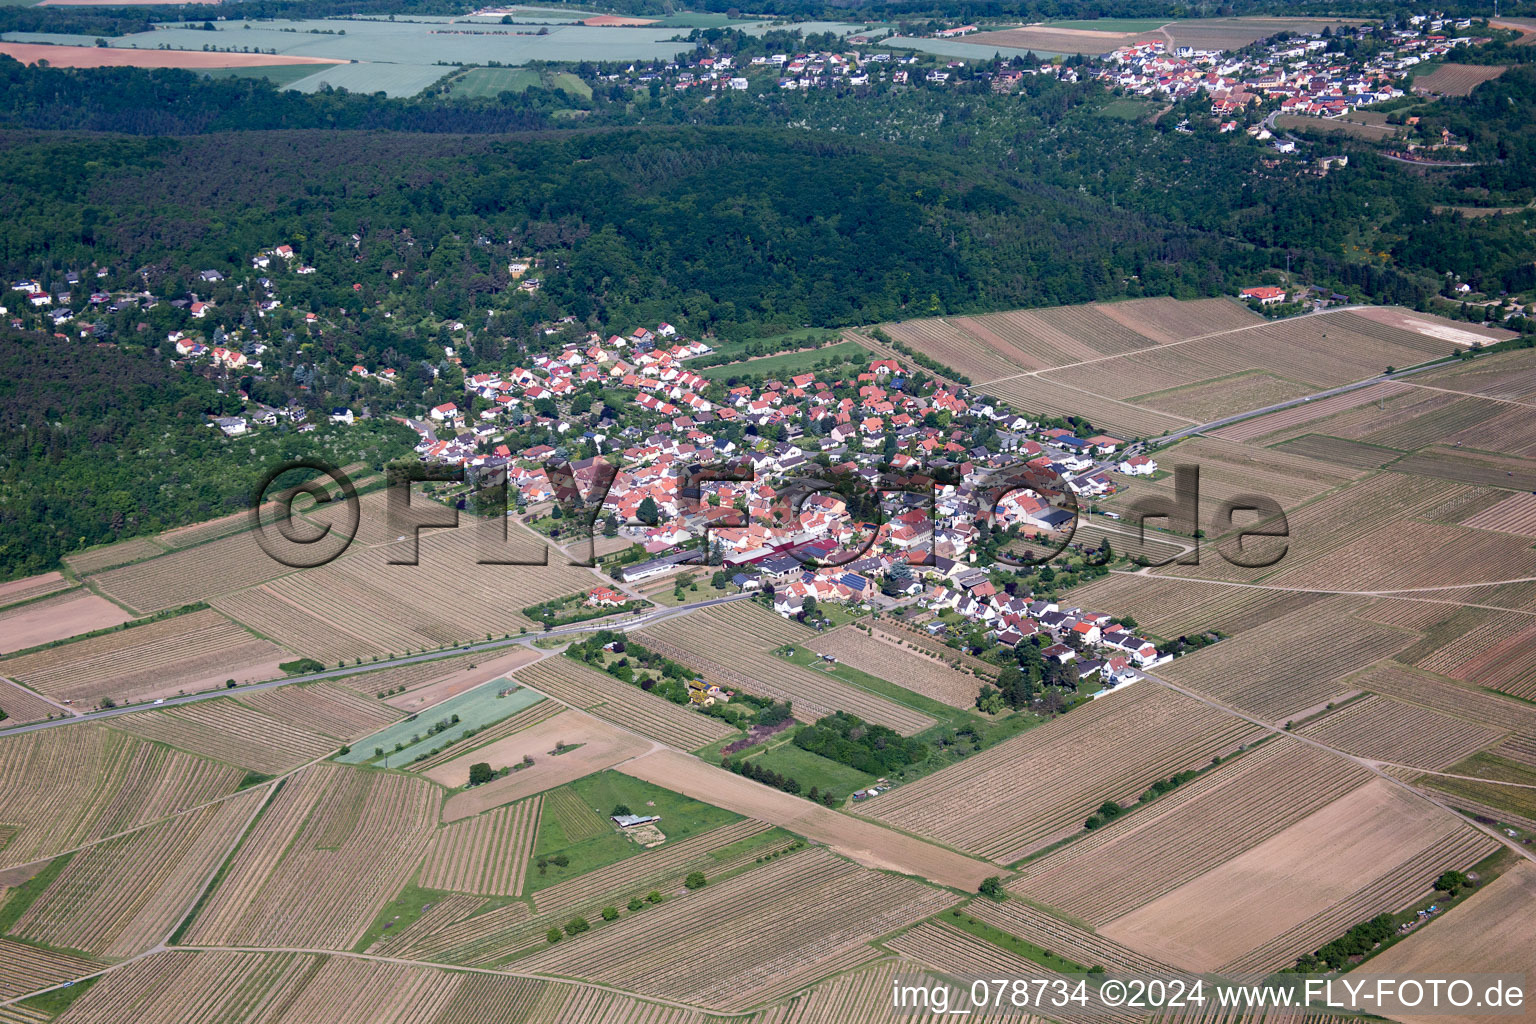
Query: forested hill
722	227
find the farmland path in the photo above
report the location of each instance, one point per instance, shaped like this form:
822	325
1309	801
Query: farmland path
1402	594
1369	764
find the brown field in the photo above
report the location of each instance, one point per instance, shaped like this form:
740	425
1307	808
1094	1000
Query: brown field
1292	876
1465	467
862	841
486	854
1072	764
332	848
779	927
1289	665
264	612
1456	79
1228	469
524	719
1489	932
1209	400
1045	396
887	660
487	665
613	19
412	676
623	704
1385	729
118	57
107	782
1077	944
227	730
21	705
190	574
1187	832
1297	415
184	653
1406	881
323	708
1339	451
25	968
121	897
32	587
97	559
1415	555
694	640
862	995
602	746
56	618
1169	607
1509	375
1444	695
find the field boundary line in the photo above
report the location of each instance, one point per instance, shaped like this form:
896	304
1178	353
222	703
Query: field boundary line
1396	594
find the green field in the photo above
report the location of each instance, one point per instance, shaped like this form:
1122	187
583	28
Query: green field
488	83
680	817
278	74
813	770
1126	109
476	709
791	363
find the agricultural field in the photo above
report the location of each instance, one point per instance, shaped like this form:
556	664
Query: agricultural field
24	968
197	651
591	746
886	659
1073	765
22	705
69	786
524	719
626	706
56	618
1456	79
1347	125
859	840
31	588
1202	33
1385	729
1228	469
488	83
1290	665
1185	833
816	918
1486	933
227	730
486	854
1171	607
691	640
405	740
1214	918
109	556
787	364
331	848
123	896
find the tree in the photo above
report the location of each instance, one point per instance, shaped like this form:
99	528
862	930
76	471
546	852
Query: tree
620	810
992	888
577	925
989	700
635	903
648	513
480	772
1451	882
553	935
696	880
653	896
610	913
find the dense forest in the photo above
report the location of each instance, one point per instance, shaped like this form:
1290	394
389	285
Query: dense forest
97	444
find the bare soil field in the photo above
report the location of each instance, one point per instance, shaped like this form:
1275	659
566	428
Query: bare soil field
1385	729
1339	451
623	704
1297	415
1077	944
1456	79
1414	555
862	841
160	659
602	746
779	927
334	845
1168	607
1286	879
1182	835
32	587
1072	765
1489	932
120	57
1228	468
56	618
108	780
123	896
487	666
229	731
887	660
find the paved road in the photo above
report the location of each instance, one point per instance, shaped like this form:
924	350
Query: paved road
632	622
